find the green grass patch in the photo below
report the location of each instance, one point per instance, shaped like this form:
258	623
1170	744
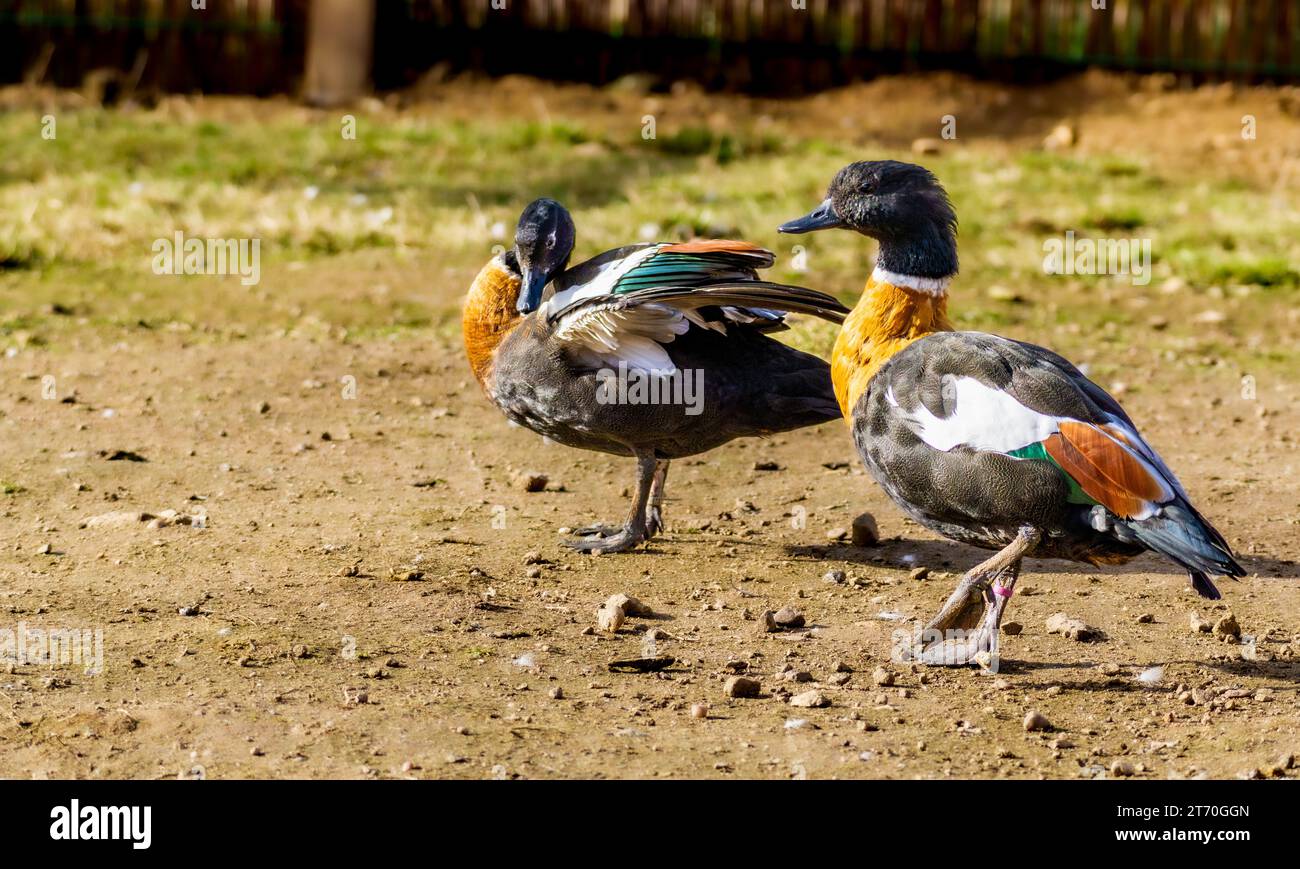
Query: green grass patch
380	235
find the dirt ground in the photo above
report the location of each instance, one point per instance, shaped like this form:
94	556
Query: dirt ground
359	586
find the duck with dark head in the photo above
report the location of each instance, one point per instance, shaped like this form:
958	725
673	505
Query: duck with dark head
997	443
654	351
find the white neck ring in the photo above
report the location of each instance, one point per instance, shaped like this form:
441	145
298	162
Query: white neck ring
929	286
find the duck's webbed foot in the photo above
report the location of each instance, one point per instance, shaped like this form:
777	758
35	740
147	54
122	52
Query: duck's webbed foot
599	539
619	539
965	630
597	530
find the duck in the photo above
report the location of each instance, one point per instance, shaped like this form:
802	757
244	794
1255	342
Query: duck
654	351
986	440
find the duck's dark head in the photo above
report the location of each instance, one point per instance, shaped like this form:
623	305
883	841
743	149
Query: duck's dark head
901	205
543	242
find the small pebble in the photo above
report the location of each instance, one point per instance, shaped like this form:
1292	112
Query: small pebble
531	481
630	606
741	686
610	619
865	532
788	617
1122	768
1036	722
1072	628
1227	627
810	700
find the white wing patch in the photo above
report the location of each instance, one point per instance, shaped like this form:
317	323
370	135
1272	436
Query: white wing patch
610	335
989	419
600	285
984	419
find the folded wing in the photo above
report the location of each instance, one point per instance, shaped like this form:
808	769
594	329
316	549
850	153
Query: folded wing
626	307
984	393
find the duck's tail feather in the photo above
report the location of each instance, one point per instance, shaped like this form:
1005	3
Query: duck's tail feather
1179	533
1203	586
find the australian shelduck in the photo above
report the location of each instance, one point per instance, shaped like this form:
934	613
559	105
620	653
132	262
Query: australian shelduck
986	440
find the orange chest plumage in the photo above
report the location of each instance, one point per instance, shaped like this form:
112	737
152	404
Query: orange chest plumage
886	320
489	316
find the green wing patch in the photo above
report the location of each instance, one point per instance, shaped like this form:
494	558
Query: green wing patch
1038	451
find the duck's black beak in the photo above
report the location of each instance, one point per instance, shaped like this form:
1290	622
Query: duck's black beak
821	217
530	291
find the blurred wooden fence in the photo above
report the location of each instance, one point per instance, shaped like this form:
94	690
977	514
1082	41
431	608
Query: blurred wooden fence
258	46
770	45
229	46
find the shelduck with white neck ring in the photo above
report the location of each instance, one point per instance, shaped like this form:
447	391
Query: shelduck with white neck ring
989	441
